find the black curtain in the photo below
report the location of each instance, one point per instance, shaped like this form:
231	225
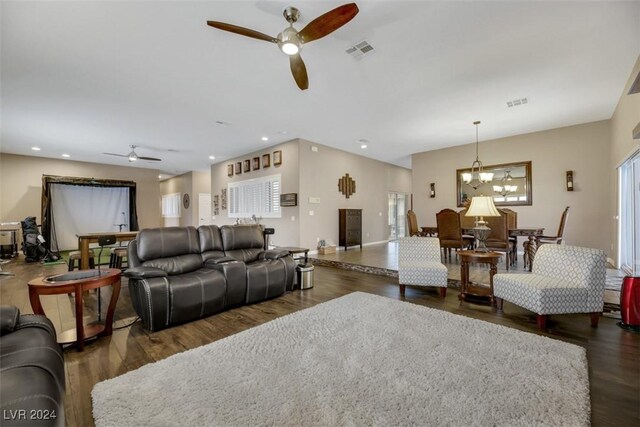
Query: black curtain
48	230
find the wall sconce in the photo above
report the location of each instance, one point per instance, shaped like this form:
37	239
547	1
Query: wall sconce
432	193
569	180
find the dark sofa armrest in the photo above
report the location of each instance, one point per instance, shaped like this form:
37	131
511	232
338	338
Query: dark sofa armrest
144	273
9	315
217	261
36	321
273	254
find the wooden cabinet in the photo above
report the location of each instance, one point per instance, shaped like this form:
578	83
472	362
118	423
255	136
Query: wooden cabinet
350	223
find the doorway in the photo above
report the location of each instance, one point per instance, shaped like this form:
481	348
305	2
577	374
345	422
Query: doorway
629	215
204	209
398	203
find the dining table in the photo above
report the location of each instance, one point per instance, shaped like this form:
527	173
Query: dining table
532	233
85	239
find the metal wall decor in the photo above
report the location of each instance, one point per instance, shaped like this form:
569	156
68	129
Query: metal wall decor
223	199
216	205
347	185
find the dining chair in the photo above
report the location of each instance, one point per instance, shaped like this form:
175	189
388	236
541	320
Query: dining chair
548	239
412	220
564	279
419	264
512	223
498	240
450	232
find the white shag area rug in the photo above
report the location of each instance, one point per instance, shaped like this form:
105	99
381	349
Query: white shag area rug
358	360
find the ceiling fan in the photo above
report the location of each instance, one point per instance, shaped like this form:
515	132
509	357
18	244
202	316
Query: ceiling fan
291	41
133	156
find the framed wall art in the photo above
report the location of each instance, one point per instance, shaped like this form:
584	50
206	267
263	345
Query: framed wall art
230	169
247	166
238	168
256	163
223	199
266	160
277	158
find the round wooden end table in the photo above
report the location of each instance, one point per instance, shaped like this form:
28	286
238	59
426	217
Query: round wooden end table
78	282
467	288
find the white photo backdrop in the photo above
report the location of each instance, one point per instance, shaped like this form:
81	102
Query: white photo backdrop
79	209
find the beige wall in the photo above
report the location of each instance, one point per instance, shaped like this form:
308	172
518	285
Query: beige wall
182	184
287	228
583	149
191	183
21	185
625	118
316	174
321	171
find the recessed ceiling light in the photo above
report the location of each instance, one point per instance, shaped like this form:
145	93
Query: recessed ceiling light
221	123
66	156
264	138
363	146
159	176
212	157
35	148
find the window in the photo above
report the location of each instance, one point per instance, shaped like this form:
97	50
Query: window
628	214
259	197
171	205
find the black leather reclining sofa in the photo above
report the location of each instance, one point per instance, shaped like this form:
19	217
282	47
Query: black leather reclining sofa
179	274
31	370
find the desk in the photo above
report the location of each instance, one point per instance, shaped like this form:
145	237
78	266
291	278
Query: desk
78	282
533	233
85	239
466	287
294	251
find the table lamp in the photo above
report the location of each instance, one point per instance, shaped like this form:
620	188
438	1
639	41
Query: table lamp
480	207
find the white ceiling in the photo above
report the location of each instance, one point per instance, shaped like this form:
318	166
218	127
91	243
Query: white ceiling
87	77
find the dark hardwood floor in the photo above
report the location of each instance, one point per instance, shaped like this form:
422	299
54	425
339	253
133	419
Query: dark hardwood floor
613	354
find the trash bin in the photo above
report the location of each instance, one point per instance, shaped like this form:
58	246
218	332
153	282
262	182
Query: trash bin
304	276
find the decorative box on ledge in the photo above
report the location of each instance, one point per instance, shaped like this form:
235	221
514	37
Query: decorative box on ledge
324	250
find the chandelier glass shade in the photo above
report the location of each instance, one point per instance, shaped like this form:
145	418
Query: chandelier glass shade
477	176
503	190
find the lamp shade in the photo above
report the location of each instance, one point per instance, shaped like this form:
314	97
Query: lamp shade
482	206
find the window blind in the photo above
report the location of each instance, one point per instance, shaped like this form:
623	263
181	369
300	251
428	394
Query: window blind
258	196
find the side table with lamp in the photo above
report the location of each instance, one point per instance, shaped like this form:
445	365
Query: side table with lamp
480	207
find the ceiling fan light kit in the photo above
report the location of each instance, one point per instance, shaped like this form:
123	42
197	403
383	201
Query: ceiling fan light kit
290	41
133	156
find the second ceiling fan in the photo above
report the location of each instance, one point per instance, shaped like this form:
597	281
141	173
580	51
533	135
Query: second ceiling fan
291	40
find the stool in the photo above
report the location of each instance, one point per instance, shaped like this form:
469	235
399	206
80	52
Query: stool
117	255
75	255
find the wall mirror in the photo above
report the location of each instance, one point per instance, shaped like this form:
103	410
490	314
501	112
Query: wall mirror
510	186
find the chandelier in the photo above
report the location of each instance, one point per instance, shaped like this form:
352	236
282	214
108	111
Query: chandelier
477	176
504	188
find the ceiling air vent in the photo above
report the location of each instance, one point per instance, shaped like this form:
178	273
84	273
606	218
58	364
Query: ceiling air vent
359	49
517	102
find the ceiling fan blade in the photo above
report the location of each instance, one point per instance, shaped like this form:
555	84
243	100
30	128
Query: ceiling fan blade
329	22
151	159
299	71
114	154
242	31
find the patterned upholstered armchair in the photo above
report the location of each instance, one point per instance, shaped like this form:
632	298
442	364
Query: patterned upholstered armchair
419	263
564	279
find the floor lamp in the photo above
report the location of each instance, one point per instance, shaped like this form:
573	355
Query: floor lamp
480	207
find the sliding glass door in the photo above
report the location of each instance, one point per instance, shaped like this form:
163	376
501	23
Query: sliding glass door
398	205
629	215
